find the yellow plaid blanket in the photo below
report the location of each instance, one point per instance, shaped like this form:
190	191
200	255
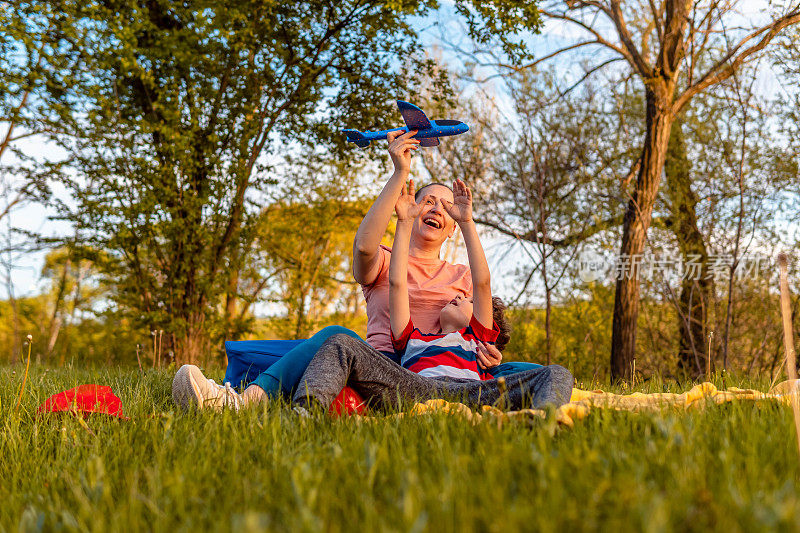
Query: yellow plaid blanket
582	402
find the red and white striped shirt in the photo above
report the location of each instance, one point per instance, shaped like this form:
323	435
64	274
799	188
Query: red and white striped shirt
452	355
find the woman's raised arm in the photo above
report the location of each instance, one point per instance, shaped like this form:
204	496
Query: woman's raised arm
373	226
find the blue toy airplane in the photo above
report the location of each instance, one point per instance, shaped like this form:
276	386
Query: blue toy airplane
428	131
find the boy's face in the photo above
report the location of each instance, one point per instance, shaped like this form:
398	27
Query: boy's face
456	314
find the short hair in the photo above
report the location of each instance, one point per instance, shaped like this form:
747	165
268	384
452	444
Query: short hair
419	191
499	317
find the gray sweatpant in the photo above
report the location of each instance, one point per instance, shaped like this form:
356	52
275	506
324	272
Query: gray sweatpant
343	360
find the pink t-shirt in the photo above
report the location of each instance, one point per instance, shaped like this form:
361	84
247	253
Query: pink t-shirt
431	284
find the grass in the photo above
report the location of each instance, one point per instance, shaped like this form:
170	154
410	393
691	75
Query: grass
732	467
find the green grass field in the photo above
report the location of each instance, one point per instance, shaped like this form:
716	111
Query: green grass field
732	467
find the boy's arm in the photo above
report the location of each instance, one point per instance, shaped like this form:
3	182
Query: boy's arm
481	277
373	226
461	211
399	311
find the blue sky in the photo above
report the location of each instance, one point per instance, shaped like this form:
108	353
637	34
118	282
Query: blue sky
26	274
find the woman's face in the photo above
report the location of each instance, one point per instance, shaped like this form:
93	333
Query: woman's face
434	225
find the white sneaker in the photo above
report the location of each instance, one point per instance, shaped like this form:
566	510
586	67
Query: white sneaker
191	388
301	412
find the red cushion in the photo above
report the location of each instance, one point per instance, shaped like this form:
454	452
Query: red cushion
84	399
347	403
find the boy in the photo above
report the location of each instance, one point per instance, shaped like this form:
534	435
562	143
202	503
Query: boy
465	323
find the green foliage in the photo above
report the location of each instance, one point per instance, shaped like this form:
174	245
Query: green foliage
178	117
209	175
558	163
581	334
33	72
502	21
729	468
70	320
177	131
24	316
85	340
308	247
302	247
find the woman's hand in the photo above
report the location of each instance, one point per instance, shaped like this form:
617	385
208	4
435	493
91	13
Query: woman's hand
461	208
488	356
406	206
400	147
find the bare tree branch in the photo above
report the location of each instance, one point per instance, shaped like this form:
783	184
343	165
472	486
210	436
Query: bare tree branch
588	73
727	65
17	199
548	56
573	238
637	61
600	39
657	12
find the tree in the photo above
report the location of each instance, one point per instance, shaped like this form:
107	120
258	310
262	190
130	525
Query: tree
552	179
694	298
710	157
183	113
31	72
676	50
544	170
73	292
171	129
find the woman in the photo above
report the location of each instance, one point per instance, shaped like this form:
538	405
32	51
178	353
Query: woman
432	283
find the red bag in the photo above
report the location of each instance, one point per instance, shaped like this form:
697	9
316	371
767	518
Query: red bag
347	403
84	400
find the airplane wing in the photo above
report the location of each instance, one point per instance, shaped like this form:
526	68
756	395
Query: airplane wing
428	142
356	137
414	117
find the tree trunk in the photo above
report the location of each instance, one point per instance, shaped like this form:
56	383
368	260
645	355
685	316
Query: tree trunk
231	297
541	176
193	345
55	321
694	298
634	231
547	327
15	345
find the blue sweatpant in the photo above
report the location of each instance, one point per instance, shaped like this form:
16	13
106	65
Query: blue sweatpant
283	376
514	367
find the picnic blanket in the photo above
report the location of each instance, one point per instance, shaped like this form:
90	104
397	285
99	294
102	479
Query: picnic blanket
582	402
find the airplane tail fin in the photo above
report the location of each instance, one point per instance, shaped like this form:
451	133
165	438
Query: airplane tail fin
357	137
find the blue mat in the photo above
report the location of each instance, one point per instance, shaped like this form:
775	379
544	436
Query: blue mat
248	359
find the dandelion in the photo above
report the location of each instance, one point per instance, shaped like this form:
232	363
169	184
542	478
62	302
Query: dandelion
138	359
501	384
160	345
501	400
25	377
153	334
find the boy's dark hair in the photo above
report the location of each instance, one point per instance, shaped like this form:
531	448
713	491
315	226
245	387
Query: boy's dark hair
419	191
499	317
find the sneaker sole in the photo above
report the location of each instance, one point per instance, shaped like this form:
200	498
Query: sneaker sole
184	390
